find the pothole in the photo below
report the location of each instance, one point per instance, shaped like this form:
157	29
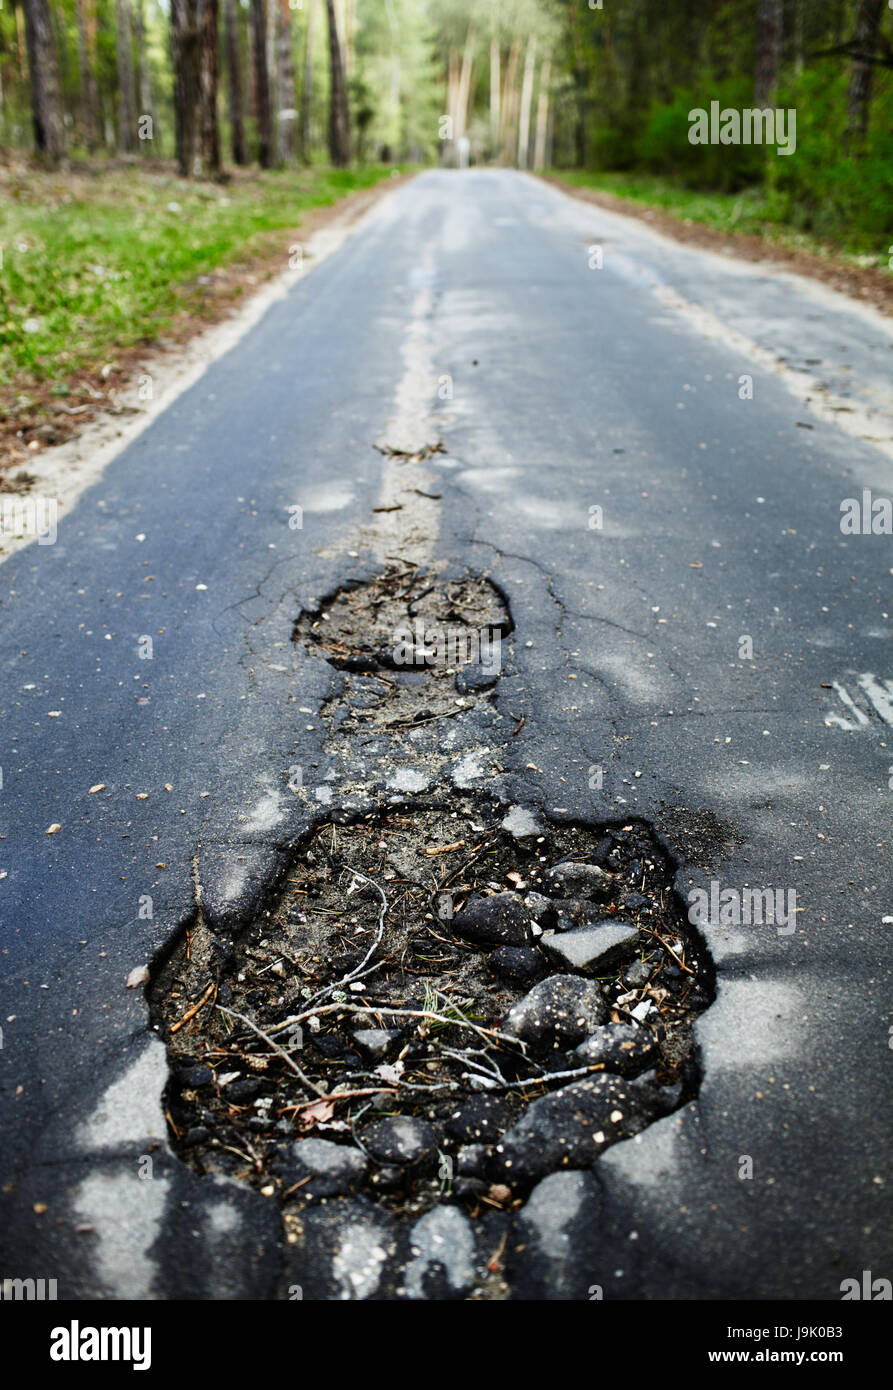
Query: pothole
415	646
433	1011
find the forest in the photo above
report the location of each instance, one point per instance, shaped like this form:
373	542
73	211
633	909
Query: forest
571	84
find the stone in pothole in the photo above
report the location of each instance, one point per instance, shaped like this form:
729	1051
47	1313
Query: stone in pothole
574	878
557	1013
376	1043
640	973
324	1169
570	1128
480	1120
576	912
472	679
596	948
400	1140
620	1047
521	966
501	920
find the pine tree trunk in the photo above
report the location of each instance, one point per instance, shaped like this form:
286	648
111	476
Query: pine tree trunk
209	75
307	90
234	75
339	115
265	144
768	50
542	116
286	64
350	20
868	22
494	95
194	52
581	87
526	100
146	104
46	99
127	134
510	104
464	85
86	22
273	77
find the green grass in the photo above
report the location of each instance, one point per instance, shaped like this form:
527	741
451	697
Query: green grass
753	211
98	260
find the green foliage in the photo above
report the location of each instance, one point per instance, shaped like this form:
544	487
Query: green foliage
664	146
99	262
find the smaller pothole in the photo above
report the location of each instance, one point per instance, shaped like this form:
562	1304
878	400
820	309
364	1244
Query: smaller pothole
447	1012
414	646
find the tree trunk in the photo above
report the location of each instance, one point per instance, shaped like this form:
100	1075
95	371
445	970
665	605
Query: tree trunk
339	115
194	52
146	104
464	85
265	145
798	36
234	75
307	90
127	134
581	85
542	116
768	50
509	108
526	99
46	100
350	22
286	63
272	11
494	95
868	22
86	22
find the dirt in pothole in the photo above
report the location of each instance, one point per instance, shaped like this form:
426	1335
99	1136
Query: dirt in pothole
414	646
354	998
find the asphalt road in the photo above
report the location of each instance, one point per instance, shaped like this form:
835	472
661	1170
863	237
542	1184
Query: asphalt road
471	308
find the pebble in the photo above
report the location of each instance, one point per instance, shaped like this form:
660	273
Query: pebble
572	878
376	1043
399	1139
480	1120
517	965
596	948
333	1169
621	1047
500	920
570	1127
557	1013
639	973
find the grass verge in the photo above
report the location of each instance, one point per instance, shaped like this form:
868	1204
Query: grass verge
102	261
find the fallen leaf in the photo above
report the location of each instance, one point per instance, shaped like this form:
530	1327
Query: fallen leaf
390	1073
319	1110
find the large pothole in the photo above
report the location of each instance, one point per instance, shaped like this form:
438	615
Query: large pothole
448	1002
